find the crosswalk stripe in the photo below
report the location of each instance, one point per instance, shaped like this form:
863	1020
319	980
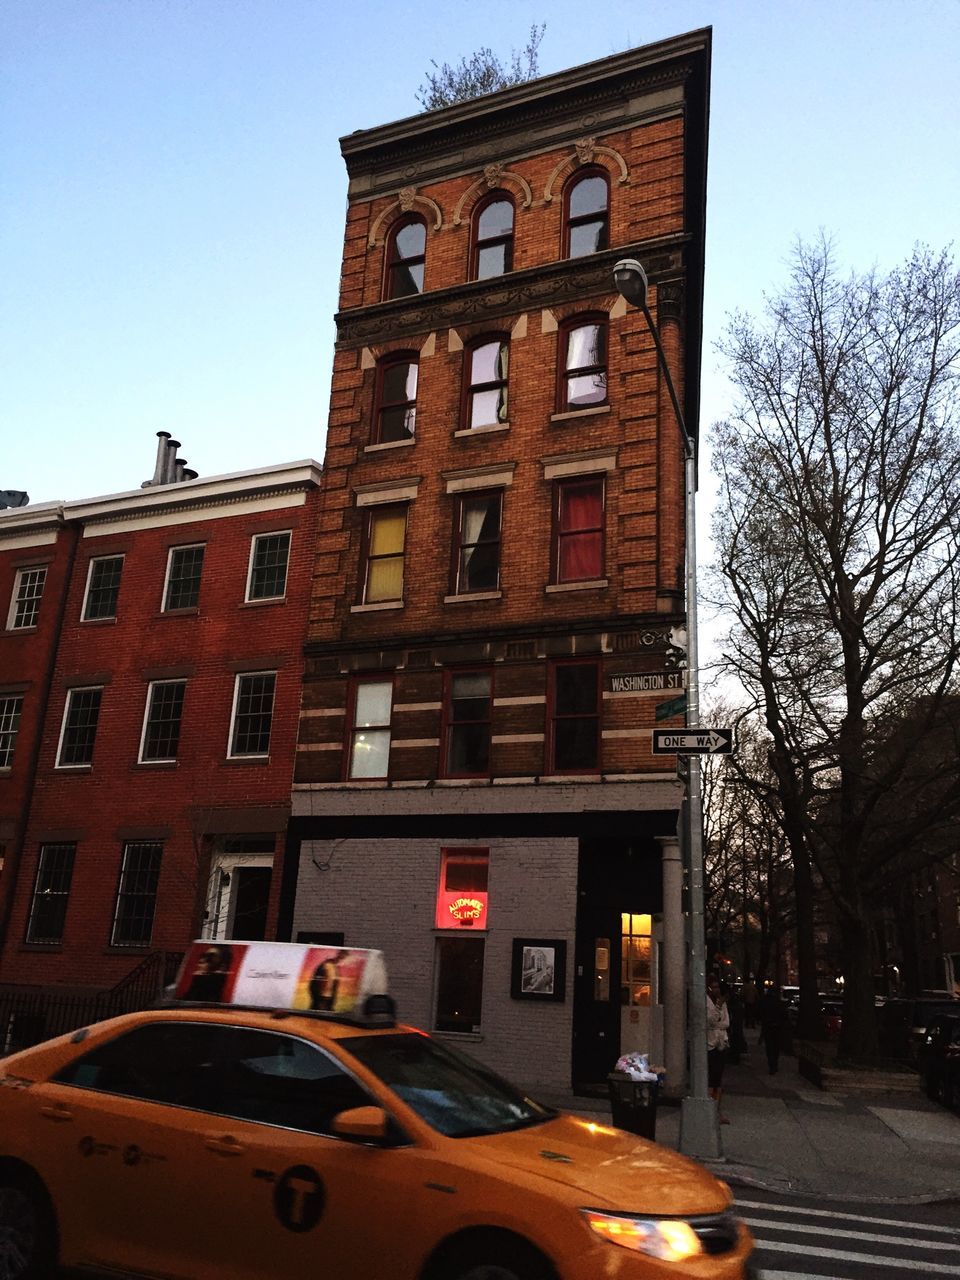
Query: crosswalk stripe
875	1261
795	1210
795	1275
806	1228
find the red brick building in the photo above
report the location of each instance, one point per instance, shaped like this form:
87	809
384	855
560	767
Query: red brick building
150	669
499	587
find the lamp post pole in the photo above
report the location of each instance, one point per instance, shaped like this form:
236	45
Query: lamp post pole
699	1132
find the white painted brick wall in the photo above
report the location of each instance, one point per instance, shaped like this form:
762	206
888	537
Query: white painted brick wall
382	894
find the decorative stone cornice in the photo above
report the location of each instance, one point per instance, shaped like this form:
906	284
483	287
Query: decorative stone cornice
406	200
638	635
572	280
586	152
670	301
494	176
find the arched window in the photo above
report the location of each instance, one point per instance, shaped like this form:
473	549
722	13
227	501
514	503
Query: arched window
406	252
582	375
586	214
492	238
395	416
487	365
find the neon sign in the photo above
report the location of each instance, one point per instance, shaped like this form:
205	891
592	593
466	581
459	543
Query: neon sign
461	910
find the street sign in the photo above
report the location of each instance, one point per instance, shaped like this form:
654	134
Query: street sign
667	710
647	682
696	742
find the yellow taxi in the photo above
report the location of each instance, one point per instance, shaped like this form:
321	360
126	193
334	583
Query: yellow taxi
272	1119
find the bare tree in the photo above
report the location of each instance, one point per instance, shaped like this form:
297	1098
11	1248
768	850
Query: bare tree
749	886
482	72
838	540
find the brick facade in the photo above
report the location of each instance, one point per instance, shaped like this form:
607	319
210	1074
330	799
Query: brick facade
636	122
192	806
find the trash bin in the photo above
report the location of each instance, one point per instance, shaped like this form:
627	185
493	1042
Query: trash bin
633	1104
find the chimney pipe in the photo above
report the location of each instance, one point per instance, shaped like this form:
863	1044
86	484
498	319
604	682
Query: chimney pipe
162	437
189	473
178	470
169	467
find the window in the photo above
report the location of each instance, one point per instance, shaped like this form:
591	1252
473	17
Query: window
370	735
253	714
578	530
477	549
396	414
103	587
136	894
260	1076
406	253
383	570
161	722
269	554
575	703
459	983
467	719
583	373
27	592
184	567
492	238
11	705
79	729
51	891
462	896
586	221
636	959
486	384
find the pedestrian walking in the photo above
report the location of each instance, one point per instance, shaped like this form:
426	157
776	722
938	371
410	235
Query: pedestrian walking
718	1025
773	1018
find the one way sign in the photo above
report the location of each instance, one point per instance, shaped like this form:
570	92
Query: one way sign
690	742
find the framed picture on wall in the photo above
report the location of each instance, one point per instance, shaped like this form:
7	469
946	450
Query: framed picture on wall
539	968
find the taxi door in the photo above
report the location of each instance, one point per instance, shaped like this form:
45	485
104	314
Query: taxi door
275	1198
111	1164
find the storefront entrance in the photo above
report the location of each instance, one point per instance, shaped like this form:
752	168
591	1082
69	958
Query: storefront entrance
616	979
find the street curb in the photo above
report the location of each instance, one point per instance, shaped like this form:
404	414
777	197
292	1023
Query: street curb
782	1184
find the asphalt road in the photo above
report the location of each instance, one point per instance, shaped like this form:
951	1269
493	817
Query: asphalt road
813	1238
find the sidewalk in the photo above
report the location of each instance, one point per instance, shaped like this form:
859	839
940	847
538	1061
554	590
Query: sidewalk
785	1135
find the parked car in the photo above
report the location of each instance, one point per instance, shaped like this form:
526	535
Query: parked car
940	1060
903	1023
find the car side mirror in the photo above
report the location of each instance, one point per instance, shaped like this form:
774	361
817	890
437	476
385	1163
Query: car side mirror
362	1124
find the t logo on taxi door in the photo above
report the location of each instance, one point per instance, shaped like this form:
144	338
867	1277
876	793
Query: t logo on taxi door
298	1198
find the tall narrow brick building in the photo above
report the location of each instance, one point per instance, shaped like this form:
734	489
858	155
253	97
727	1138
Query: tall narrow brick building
497	613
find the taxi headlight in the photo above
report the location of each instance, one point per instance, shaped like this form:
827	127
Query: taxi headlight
667	1238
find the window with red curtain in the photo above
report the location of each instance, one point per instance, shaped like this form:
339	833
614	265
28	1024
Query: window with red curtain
578	530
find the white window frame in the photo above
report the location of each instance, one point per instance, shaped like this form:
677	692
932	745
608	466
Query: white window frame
244	755
6	767
117	555
185	546
146	716
270	533
80	688
15	597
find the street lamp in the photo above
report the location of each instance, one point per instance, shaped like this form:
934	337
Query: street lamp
699	1134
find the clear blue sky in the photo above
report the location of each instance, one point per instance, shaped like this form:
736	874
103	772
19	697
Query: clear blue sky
172	193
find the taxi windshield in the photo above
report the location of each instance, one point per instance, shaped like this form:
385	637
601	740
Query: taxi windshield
451	1092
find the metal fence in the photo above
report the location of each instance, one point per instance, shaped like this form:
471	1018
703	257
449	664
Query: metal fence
29	1016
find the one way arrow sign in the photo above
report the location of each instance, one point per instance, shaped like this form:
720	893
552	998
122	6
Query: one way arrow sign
687	742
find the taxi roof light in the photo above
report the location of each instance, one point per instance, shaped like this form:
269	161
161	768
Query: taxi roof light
343	984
